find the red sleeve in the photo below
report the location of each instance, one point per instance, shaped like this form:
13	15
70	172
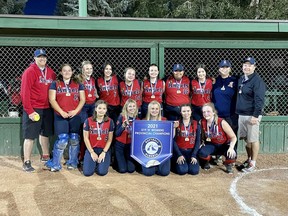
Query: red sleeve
26	85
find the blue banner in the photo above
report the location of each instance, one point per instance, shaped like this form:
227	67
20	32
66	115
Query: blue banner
152	142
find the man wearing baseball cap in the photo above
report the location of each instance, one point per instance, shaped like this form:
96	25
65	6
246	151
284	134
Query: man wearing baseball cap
177	91
37	120
249	106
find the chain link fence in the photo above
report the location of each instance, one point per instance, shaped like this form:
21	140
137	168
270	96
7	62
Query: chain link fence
271	65
16	59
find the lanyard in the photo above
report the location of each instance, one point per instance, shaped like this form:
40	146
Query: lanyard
106	84
212	129
67	88
99	129
129	92
44	73
178	84
153	86
187	131
89	85
202	89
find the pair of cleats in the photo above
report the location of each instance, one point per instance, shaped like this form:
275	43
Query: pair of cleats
229	167
246	167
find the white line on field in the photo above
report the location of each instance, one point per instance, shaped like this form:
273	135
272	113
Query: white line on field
238	199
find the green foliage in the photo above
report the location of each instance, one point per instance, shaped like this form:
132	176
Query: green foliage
12	6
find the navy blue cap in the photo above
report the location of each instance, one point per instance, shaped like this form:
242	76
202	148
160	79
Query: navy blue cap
40	52
250	59
224	63
178	67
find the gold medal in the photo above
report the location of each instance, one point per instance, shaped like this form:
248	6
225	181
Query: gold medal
107	93
99	138
152	96
129	136
68	94
208	139
178	92
89	95
186	139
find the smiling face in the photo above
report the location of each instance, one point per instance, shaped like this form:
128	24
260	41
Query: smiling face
131	109
201	73
154	110
130	75
87	70
186	112
41	61
101	110
66	72
108	71
178	74
208	112
248	68
224	71
153	71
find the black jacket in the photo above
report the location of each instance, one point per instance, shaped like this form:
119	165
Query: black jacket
251	96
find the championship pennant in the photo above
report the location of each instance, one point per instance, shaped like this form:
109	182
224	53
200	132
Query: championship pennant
152	142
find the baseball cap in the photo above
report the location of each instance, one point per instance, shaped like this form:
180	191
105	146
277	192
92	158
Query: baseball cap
178	67
250	59
40	52
224	63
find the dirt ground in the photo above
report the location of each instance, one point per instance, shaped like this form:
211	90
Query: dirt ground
212	192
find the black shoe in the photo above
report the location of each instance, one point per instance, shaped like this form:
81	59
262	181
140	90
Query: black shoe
27	166
206	166
243	166
229	168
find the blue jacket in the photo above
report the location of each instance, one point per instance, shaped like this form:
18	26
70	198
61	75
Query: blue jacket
224	95
251	96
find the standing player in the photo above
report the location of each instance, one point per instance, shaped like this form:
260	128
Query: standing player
123	137
177	91
37	115
218	138
186	144
131	88
153	89
67	98
98	134
201	91
108	87
90	97
250	104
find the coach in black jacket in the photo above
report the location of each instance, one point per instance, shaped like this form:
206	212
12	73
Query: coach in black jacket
249	107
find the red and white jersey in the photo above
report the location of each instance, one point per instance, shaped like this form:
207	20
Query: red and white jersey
109	90
153	91
177	91
67	96
186	136
125	136
35	85
216	132
133	92
90	90
201	94
98	130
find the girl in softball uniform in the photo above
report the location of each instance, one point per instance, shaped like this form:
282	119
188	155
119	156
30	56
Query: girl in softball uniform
108	87
131	88
123	137
186	144
218	138
153	89
98	134
201	91
67	97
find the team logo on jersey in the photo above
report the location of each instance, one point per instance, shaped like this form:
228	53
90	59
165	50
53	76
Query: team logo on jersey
151	147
